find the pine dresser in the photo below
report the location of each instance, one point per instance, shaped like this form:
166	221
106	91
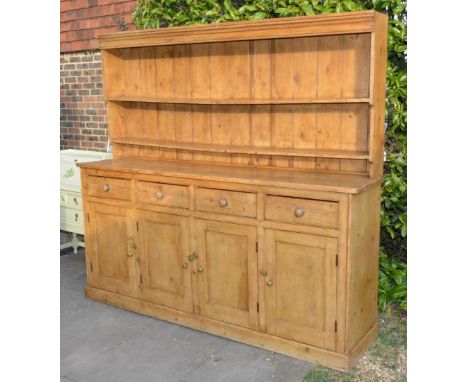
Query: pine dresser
243	199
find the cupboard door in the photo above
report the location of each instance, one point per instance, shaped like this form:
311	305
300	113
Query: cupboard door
110	249
164	266
301	287
227	272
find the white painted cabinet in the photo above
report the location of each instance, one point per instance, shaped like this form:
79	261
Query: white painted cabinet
71	205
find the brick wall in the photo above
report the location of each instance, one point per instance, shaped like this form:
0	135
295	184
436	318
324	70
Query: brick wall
81	21
83	116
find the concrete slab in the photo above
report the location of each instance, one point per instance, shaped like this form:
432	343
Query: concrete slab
100	343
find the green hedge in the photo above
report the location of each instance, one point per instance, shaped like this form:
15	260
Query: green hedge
161	13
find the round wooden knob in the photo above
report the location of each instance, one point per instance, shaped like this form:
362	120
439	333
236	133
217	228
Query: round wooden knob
299	212
223	202
106	188
160	194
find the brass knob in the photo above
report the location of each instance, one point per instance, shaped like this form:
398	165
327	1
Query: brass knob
264	273
76	217
269	284
106	188
299	212
200	269
160	194
184	265
223	202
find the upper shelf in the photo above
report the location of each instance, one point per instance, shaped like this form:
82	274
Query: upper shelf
252	150
287	27
253	101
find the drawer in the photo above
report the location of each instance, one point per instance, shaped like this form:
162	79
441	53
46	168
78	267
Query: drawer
318	213
226	202
105	187
70	216
71	199
169	195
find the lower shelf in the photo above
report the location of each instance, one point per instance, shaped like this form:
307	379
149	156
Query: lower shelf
280	345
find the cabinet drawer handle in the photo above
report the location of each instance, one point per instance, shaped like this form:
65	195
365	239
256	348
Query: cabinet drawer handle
269	284
75	200
160	194
76	217
299	212
106	188
200	269
193	256
223	202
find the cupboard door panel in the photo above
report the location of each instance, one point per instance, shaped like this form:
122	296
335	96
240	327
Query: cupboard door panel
164	267
301	287
109	249
227	270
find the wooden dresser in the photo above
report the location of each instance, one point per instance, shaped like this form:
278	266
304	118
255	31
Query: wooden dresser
244	194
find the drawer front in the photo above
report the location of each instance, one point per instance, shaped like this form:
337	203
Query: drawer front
318	213
226	202
71	216
105	187
162	194
71	199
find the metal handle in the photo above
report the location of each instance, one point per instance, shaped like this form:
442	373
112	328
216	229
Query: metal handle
75	200
193	256
269	283
200	269
264	272
223	202
299	212
76	217
185	265
106	188
160	194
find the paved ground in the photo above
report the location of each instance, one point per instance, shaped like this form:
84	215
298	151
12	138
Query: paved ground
101	343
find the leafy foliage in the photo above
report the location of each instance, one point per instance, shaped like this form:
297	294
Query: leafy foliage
392	282
161	13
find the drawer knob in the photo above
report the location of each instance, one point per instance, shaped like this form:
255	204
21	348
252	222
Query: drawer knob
184	265
76	217
223	202
299	212
200	269
269	284
264	272
106	188
160	194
